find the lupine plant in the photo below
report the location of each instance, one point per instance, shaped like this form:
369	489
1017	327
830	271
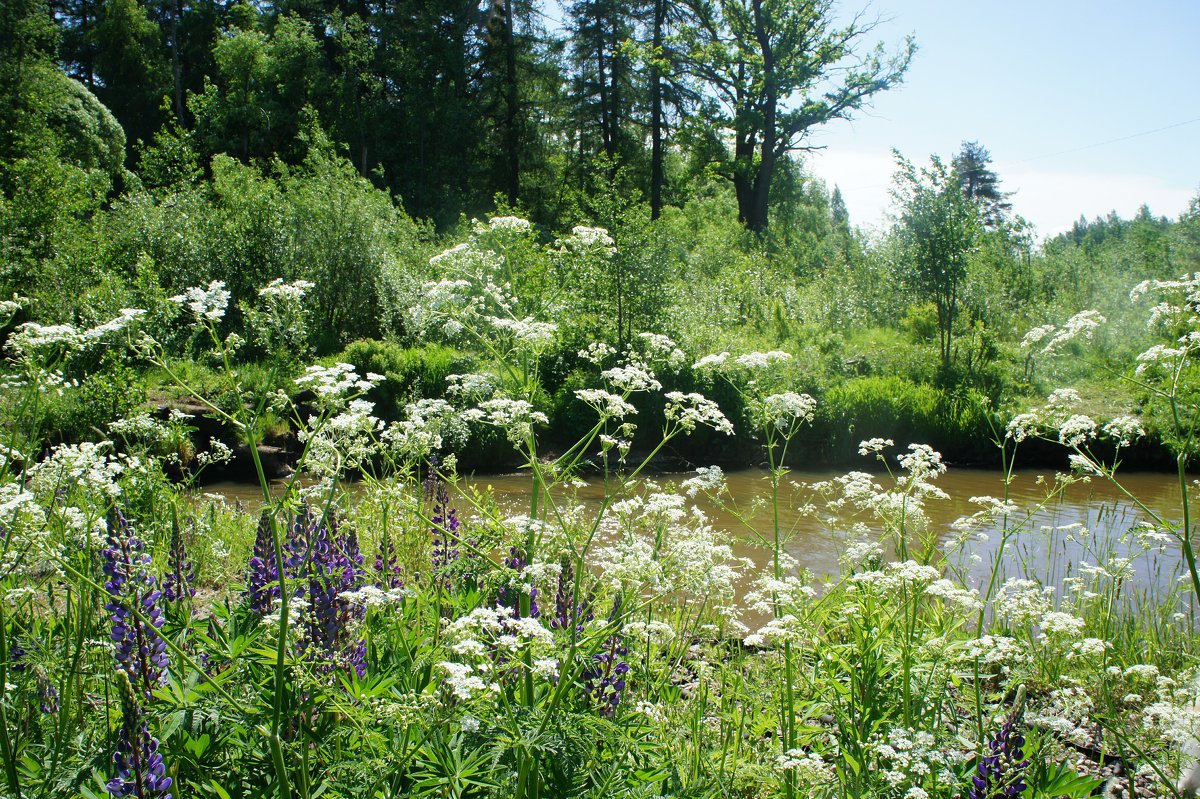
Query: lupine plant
611	646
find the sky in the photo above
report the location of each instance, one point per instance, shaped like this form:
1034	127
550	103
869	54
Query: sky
1086	107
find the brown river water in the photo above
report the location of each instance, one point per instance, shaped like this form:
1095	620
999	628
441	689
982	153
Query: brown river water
815	540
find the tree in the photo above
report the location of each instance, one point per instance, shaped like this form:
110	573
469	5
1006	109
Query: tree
980	183
131	67
938	230
774	70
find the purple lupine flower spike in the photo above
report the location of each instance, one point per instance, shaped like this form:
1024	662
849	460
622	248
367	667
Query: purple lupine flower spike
1001	772
445	529
387	568
262	584
181	572
16	657
297	546
567	611
140	769
140	650
604	680
47	693
510	596
332	568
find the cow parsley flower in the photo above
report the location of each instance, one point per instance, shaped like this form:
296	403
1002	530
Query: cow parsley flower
1077	430
206	304
689	410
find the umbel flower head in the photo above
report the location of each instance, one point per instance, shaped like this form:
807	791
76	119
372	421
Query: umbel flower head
140	650
1001	772
140	768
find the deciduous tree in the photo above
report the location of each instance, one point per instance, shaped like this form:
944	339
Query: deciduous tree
776	69
938	227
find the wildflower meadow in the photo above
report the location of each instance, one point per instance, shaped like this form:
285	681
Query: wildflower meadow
373	627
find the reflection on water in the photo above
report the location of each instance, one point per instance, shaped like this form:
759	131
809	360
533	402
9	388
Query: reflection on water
816	540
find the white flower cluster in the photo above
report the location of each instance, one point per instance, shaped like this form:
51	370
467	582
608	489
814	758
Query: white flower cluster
335	385
769	596
875	446
908	757
1082	325
1068	712
1077	430
486	631
206	304
996	650
461	681
526	332
1037	335
596	353
1023	602
922	462
141	427
510	224
1062	399
31	339
809	768
699	562
291	292
1057	623
787	628
607	405
86	466
1023	426
26	540
786	411
708	480
471	386
343	442
631	377
427	423
861	554
689	410
516	417
761	360
589	237
662	348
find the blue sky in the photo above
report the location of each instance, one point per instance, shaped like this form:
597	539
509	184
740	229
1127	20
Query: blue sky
1049	88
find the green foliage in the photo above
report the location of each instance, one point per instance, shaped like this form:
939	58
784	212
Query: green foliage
412	372
778	70
894	407
939	227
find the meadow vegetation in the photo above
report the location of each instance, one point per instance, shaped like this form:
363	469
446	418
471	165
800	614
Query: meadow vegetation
565	257
415	639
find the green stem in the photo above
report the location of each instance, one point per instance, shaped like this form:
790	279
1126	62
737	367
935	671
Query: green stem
6	747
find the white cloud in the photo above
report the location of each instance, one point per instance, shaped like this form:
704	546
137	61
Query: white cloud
1051	199
1054	199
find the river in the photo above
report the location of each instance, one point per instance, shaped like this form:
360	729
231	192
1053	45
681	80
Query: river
1048	546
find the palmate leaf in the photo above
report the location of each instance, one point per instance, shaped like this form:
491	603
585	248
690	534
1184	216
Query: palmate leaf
444	769
1060	781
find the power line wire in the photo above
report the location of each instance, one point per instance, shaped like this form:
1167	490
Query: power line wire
1109	141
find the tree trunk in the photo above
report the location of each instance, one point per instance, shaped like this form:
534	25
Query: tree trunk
656	113
176	61
760	201
510	102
